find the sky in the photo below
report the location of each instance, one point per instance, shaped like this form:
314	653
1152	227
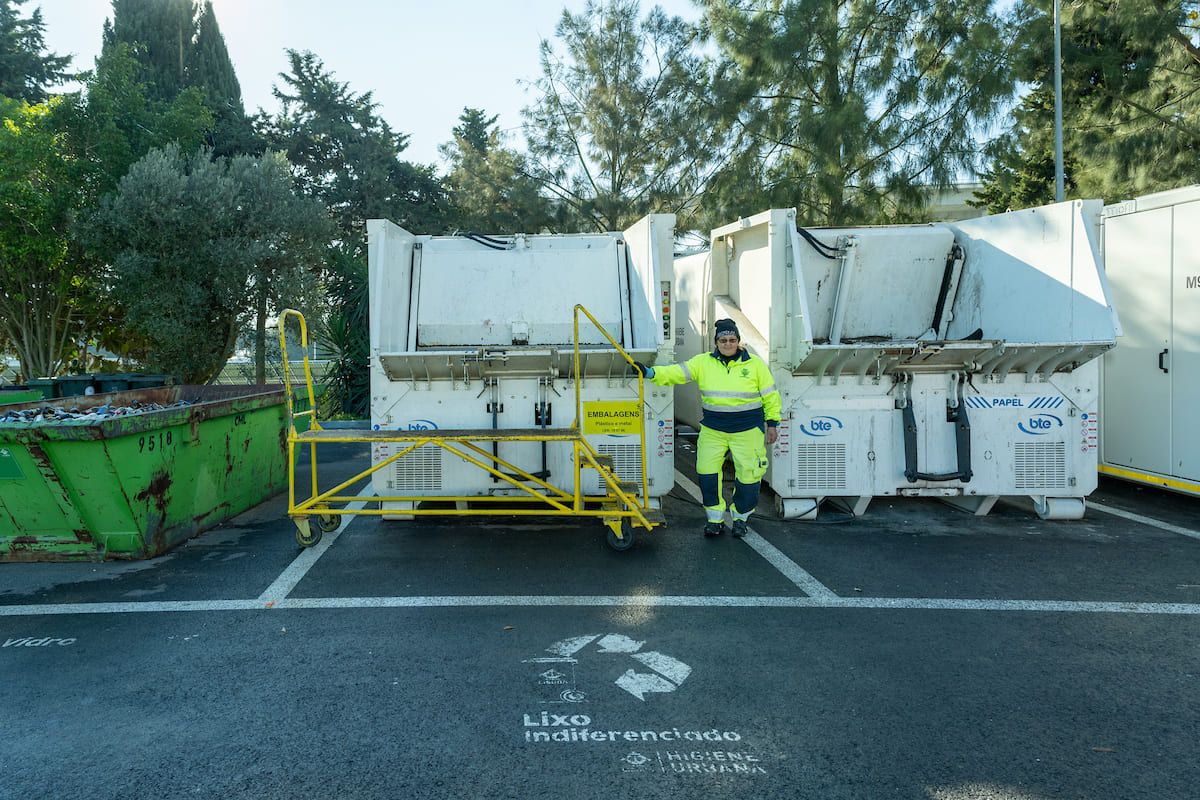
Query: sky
423	62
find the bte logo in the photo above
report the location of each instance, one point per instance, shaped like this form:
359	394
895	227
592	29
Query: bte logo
422	425
821	426
1040	424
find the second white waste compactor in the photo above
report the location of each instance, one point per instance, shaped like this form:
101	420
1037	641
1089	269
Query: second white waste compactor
953	360
496	361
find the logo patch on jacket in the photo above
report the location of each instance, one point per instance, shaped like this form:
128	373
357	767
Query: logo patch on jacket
745	372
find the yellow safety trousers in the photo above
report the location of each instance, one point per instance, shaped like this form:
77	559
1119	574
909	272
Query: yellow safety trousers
749	451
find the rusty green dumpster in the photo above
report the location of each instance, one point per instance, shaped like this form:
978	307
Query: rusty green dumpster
132	474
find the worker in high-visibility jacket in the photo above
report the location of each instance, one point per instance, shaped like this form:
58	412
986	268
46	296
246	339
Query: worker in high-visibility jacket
738	398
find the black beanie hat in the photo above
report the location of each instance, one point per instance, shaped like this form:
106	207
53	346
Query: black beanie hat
726	326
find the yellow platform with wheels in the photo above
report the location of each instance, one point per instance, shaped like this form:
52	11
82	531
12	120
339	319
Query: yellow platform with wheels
621	507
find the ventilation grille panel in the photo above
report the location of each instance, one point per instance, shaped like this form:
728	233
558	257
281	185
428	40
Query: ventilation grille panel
627	463
627	460
418	471
820	467
1040	465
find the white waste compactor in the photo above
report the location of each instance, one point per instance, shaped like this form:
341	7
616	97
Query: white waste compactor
479	335
951	360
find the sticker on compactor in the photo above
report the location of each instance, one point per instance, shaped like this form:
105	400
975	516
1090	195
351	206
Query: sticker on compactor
614	418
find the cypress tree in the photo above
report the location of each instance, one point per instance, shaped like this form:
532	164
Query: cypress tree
209	67
161	33
180	46
211	70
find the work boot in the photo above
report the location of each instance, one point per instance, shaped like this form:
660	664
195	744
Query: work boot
739	528
714	528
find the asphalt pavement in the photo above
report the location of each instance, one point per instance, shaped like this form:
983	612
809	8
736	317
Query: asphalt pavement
914	652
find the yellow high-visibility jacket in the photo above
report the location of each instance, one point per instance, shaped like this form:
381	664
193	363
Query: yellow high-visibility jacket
735	396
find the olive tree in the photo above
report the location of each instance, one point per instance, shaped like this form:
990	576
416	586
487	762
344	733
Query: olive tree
198	248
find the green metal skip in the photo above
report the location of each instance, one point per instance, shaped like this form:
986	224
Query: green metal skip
134	486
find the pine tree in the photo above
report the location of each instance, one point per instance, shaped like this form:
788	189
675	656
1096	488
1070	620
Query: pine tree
1130	69
209	66
849	109
348	157
27	71
489	184
617	130
473	128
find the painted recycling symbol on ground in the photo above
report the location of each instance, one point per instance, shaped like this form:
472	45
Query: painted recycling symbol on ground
666	675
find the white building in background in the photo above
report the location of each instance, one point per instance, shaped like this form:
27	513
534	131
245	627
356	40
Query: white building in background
951	205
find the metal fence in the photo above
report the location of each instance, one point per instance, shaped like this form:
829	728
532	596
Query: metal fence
233	374
243	373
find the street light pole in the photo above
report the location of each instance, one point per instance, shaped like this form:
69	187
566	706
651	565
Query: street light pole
1058	132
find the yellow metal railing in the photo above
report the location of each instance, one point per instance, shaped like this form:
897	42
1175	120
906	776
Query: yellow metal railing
311	413
287	373
616	505
641	389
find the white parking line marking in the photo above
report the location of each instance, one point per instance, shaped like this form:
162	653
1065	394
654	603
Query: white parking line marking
790	569
296	571
820	597
631	601
689	486
1129	515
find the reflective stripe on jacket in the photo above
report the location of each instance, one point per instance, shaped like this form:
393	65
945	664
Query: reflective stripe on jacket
735	396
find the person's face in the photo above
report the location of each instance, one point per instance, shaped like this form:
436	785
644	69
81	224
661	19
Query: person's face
727	344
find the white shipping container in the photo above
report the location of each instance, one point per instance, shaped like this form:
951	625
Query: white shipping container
1151	379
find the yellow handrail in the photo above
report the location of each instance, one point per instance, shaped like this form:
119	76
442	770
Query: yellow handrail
641	390
292	414
287	372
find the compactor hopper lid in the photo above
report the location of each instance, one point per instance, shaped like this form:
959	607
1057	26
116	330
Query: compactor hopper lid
520	291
